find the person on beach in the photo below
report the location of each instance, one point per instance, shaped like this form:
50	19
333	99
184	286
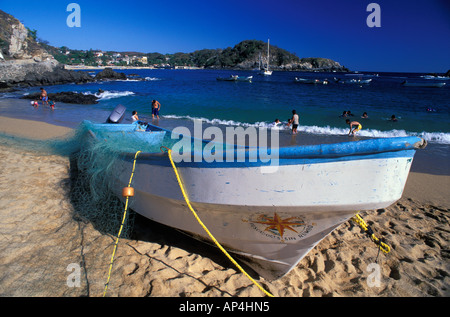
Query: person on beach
51	104
393	118
44	96
35	104
352	124
156	106
134	116
295	121
364	115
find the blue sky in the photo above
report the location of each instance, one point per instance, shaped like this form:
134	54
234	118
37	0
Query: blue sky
413	37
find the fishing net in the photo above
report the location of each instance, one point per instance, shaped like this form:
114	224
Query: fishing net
91	171
95	151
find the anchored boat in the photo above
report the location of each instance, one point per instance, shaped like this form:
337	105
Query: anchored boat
266	71
423	84
310	81
267	207
236	78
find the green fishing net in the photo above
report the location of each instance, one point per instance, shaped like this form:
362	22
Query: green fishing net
91	172
95	151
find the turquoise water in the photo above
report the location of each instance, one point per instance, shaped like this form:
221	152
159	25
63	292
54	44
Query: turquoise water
189	94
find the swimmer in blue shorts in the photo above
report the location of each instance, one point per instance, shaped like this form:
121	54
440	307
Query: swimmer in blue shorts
155	108
44	96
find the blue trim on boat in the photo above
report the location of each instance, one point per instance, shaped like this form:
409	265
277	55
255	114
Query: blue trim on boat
380	148
161	160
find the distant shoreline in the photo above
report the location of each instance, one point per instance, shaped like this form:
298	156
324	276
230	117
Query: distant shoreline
73	67
360	73
76	67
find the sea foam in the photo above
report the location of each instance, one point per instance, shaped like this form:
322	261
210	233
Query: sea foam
432	137
106	95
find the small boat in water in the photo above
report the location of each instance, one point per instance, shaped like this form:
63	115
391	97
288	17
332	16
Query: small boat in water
236	78
310	81
231	78
435	77
245	78
268	216
423	84
354	81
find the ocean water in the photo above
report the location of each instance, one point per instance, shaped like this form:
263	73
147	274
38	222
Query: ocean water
186	95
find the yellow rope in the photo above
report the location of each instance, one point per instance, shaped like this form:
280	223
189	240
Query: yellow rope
206	229
381	245
121	226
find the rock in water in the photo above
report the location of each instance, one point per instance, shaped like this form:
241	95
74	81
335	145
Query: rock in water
66	97
108	74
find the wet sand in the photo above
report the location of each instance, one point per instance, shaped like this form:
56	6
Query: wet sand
46	250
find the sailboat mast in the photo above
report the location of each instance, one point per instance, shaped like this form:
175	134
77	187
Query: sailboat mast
268	59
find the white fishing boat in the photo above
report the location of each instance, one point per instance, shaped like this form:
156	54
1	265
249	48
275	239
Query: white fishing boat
354	81
266	71
433	77
267	216
310	81
236	78
230	78
423	84
245	78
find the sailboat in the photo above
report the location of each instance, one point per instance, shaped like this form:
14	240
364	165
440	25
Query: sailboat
266	71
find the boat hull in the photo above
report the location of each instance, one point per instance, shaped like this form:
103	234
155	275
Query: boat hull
269	221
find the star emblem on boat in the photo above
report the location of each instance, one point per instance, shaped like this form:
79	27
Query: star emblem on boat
278	224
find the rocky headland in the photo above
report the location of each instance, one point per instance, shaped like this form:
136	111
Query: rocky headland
24	63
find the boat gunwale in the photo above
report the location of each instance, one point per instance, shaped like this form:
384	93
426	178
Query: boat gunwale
350	150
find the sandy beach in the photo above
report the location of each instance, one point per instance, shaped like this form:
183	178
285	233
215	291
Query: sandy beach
46	250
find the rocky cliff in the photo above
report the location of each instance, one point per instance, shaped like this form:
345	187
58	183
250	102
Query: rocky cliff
23	62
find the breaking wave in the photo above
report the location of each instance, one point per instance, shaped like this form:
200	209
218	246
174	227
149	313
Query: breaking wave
106	95
432	137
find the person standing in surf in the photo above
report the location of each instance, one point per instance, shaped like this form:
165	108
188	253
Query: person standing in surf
44	96
295	122
156	106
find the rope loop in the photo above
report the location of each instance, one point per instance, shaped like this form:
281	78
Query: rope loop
368	230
